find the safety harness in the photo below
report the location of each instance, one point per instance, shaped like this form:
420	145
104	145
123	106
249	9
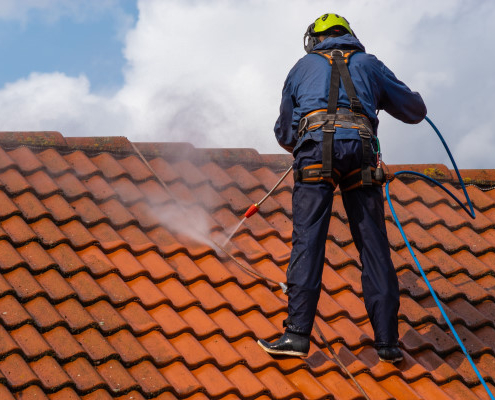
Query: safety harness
334	117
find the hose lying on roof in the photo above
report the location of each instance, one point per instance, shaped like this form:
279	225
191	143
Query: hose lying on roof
470	212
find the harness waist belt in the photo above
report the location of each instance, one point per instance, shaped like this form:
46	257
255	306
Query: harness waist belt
353	180
318	118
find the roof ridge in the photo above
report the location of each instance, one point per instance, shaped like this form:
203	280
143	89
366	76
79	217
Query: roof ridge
176	151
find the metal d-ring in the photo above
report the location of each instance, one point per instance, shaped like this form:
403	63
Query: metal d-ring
341	52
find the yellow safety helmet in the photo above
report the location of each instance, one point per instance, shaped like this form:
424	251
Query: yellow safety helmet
325	25
328	21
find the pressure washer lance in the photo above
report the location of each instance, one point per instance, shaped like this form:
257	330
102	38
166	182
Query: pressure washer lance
282	285
256	207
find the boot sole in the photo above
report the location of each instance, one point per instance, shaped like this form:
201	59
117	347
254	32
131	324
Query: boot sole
395	360
283	352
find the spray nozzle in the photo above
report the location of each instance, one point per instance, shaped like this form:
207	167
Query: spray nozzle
252	210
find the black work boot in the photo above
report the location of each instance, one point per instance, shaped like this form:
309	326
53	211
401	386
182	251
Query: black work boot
390	354
290	344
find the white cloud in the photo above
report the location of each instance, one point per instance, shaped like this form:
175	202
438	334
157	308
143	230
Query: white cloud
211	72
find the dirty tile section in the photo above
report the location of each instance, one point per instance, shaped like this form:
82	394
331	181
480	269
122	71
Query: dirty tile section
112	284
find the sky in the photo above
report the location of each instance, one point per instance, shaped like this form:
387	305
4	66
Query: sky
211	72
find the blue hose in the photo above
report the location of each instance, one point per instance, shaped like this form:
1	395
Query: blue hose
470	213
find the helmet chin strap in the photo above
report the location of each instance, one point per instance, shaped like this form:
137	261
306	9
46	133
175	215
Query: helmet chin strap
310	41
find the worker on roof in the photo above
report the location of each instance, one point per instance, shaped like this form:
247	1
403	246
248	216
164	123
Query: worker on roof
328	120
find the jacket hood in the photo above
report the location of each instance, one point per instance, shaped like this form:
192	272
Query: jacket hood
341	42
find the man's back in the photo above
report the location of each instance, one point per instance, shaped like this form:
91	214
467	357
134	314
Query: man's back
307	86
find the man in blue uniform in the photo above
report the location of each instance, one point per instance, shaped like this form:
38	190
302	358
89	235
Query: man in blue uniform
328	121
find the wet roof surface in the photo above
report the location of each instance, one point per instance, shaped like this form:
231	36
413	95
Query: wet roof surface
109	291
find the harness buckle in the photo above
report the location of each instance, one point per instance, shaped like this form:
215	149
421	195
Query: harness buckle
356	105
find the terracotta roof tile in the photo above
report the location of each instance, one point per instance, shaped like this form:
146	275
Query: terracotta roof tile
99	188
106	317
12	313
78	235
81	164
96	261
64	344
234	328
149	379
159	348
117	377
51	375
95	346
136	168
84	375
241	176
139	320
67	260
246	383
53	162
102	295
109	166
156	266
278	386
17	372
14	183
30	342
144	214
184	383
48	233
76	317
60	210
5	160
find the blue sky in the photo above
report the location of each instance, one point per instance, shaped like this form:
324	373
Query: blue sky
210	72
90	43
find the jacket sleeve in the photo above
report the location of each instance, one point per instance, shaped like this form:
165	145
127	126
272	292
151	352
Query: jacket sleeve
284	132
398	100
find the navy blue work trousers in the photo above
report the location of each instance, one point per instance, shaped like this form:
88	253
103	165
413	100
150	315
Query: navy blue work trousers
312	207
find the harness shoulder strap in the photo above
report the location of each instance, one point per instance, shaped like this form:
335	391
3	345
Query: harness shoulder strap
340	59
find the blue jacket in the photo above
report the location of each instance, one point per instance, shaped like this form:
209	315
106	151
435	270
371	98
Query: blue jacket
307	85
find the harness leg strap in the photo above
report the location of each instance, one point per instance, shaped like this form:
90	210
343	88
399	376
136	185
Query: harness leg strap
367	161
327	168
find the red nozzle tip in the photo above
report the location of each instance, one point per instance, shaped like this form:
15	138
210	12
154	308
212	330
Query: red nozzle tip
252	210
